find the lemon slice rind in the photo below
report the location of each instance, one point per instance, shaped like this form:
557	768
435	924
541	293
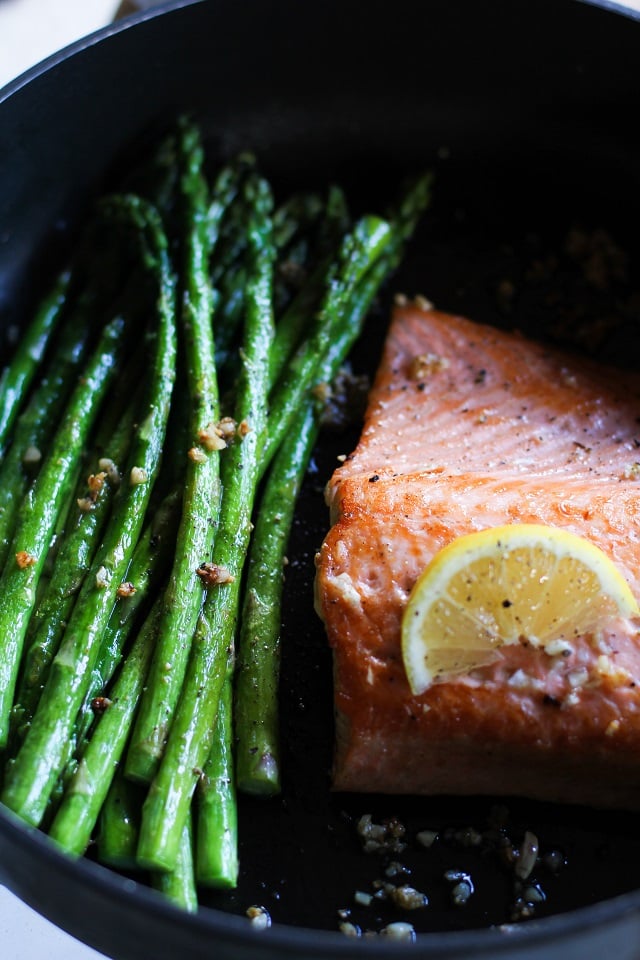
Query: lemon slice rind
497	586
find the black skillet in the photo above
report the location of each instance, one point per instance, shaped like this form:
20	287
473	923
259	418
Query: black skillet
527	110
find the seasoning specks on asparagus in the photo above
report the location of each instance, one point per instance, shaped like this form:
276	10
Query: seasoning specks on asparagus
151	573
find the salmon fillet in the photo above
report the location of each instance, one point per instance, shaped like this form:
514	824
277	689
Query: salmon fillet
469	427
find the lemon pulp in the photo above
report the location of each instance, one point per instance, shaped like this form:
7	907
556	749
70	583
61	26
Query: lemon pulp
503	585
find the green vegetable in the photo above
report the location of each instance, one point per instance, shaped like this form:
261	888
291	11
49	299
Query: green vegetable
297	319
17	377
167	804
179	885
73	560
217	818
185	593
257	670
39	513
32	776
119	824
149	565
360	250
146	628
85	794
32	429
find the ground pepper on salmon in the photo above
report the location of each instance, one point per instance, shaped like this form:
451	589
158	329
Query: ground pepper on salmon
499	430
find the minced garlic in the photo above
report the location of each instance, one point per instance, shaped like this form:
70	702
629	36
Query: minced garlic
137	476
426	364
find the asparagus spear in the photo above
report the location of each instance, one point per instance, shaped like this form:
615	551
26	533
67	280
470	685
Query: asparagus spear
217	816
185	592
227	224
51	614
179	884
294	233
117	840
17	377
301	210
149	564
33	774
33	426
85	794
403	218
168	801
39	512
72	563
257	671
297	318
359	251
119	824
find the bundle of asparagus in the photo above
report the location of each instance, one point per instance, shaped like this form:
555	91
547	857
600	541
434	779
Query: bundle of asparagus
156	422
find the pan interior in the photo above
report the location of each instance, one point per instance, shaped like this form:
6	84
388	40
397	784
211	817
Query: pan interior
533	162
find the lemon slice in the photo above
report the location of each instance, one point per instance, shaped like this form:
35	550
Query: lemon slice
501	586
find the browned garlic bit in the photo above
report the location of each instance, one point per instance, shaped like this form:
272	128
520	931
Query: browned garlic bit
243	429
212	574
24	559
422	303
126	589
462	889
322	392
426	838
226	428
527	855
362	898
211	438
259	917
31	455
379	837
138	475
100	705
399	930
520	860
426	364
95	483
407	898
110	469
197	454
419	301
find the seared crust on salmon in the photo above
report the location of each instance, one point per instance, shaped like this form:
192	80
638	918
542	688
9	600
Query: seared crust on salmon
467	428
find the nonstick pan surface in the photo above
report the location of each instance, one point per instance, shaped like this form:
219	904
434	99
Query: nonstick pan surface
527	113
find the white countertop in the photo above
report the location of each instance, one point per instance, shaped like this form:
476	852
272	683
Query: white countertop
31	30
25	935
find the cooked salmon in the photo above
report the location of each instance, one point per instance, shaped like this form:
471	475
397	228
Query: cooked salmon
470	427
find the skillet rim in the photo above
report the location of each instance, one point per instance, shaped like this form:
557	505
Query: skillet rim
132	19
488	941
